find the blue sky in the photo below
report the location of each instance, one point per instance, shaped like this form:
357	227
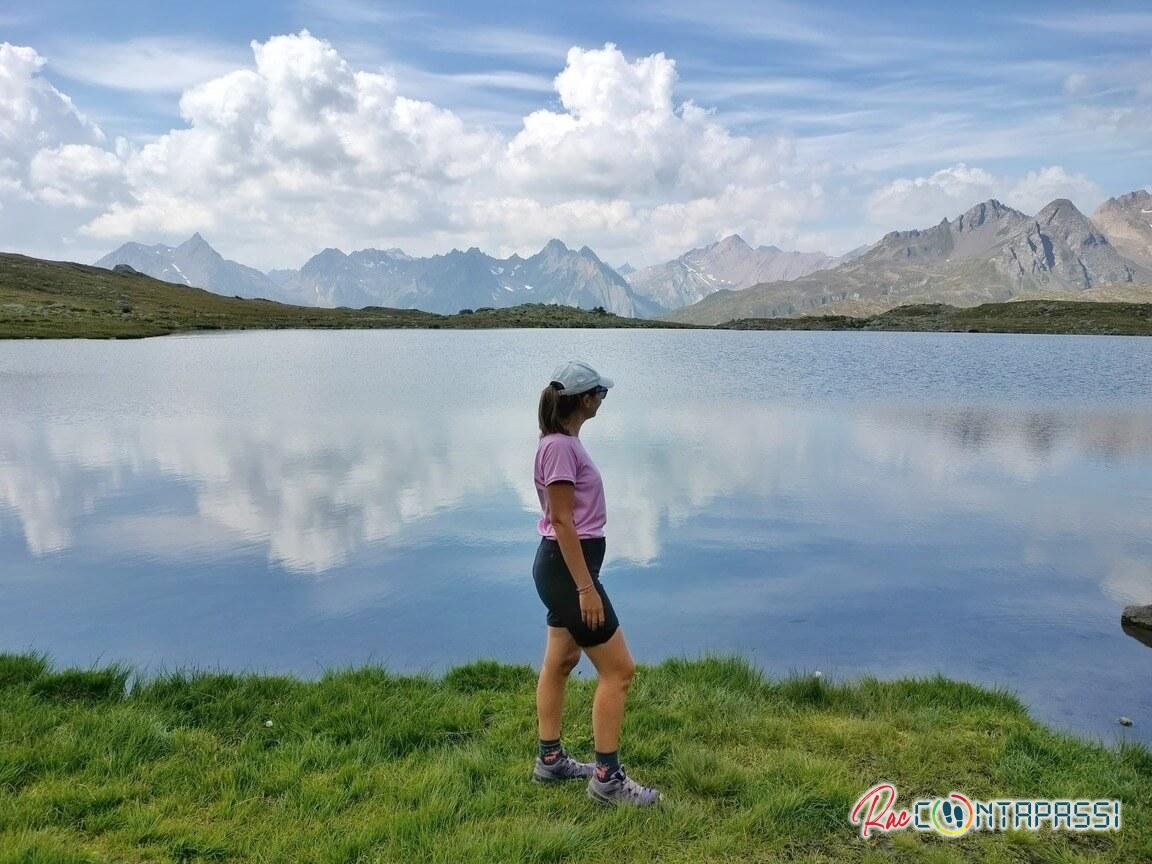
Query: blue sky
826	124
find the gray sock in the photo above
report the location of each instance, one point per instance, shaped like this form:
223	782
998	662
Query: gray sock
547	748
607	764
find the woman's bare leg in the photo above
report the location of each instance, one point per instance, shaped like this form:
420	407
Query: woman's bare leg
615	666
561	655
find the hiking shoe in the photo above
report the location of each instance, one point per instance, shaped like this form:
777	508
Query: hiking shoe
564	768
619	788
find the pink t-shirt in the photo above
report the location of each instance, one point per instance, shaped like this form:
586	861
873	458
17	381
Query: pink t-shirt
563	457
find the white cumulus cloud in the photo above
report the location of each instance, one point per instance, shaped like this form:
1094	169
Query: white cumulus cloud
76	175
621	134
55	168
299	152
34	116
1037	188
922	201
302	151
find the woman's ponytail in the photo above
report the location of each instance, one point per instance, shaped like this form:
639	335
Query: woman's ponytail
554	408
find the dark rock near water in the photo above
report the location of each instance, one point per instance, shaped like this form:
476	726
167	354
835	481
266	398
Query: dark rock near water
1136	621
1140	634
1137	616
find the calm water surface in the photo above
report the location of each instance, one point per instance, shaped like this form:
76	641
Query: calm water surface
978	505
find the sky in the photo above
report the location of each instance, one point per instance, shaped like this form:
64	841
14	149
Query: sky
638	129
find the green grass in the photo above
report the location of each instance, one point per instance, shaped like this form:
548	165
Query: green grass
1018	316
364	765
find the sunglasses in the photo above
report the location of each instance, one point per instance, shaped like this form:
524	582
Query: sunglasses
601	392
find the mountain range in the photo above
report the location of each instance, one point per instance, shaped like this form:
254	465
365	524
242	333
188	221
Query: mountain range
988	253
457	280
389	277
728	264
193	263
991	252
471	279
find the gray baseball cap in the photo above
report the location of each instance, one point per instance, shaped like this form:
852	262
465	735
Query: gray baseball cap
578	377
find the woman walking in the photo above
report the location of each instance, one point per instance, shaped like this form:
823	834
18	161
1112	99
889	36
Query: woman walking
567	575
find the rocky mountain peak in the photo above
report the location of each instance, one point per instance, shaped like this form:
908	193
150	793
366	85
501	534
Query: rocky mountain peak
1139	201
554	254
1126	221
1060	211
733	242
1061	248
728	264
970	235
326	259
987	211
193	262
195	243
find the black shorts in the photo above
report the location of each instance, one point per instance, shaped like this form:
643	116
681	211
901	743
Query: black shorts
557	590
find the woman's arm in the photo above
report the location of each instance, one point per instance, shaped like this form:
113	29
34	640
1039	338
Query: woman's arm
560	498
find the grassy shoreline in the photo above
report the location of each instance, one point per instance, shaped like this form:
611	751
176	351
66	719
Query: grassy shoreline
363	765
55	300
1054	317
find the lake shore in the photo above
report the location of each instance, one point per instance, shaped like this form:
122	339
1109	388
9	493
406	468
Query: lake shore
1057	317
55	300
366	765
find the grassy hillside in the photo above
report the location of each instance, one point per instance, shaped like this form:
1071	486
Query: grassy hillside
50	299
1021	316
367	766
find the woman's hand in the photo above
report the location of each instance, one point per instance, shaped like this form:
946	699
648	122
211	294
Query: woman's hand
592	609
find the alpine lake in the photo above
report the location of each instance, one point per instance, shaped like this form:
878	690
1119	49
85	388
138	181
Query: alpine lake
848	503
